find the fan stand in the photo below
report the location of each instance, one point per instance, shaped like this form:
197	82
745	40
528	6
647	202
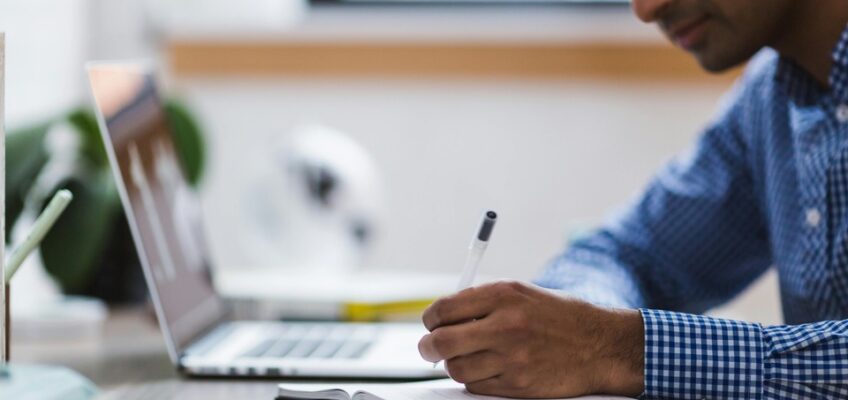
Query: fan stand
18	381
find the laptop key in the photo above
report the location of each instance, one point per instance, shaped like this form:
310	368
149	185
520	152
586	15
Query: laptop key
352	349
317	341
327	349
281	348
360	350
304	348
259	349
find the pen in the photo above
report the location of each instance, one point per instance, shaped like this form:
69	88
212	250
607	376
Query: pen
476	249
475	252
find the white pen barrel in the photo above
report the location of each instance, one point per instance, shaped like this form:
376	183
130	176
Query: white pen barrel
475	251
472	261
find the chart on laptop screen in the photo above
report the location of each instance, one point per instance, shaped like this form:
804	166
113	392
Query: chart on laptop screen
164	213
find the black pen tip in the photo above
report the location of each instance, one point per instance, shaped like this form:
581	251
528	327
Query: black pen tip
487	226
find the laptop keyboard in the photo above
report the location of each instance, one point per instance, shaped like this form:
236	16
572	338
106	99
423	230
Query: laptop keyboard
316	341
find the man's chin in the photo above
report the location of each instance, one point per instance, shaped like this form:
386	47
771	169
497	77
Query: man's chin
717	64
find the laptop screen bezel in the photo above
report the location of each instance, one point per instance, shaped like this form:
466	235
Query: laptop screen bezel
205	322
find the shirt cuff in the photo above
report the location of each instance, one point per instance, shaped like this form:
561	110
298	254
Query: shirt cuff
695	357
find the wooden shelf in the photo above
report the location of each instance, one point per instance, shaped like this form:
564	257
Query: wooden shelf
569	60
443	42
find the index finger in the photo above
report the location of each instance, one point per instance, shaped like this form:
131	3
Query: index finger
465	305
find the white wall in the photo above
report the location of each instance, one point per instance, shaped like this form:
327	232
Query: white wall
549	156
46	44
544	155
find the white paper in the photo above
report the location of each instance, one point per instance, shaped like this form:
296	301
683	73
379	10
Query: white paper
441	389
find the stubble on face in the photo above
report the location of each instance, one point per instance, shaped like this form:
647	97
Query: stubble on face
721	34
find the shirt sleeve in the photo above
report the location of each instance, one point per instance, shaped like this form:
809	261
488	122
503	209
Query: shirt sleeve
696	357
693	239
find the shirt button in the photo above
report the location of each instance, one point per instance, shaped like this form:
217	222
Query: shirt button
813	217
842	113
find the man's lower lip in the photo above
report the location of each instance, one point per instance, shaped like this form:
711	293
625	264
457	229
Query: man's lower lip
692	36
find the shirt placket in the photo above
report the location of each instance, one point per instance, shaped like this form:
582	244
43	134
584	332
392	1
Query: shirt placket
835	306
814	152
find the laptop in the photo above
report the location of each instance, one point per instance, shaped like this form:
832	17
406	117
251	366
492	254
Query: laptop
165	221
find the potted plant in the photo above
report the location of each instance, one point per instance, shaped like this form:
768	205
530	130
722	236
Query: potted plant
90	250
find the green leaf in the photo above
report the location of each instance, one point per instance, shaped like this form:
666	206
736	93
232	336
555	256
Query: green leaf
72	249
187	140
92	147
25	156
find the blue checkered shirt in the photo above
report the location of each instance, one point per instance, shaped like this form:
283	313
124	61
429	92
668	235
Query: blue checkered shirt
766	185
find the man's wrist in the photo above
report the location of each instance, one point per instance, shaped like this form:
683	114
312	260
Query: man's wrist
622	358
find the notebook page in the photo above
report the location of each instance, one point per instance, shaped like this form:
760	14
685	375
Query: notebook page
442	389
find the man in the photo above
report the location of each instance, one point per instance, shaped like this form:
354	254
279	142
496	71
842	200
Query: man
766	184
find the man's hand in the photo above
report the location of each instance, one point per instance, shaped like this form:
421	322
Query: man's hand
513	339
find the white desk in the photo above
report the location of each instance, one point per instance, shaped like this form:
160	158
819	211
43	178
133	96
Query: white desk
130	362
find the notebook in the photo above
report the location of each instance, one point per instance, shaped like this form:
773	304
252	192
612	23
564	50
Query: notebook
442	389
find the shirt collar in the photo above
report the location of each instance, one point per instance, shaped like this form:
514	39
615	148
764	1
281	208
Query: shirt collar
839	73
800	85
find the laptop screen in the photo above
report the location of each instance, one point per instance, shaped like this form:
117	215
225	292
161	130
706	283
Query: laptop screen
160	206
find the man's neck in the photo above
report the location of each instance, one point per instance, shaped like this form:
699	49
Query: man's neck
813	29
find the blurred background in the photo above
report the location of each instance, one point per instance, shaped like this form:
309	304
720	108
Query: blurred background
381	129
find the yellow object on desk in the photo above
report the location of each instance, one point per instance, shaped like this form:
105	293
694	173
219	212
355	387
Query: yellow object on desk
389	311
